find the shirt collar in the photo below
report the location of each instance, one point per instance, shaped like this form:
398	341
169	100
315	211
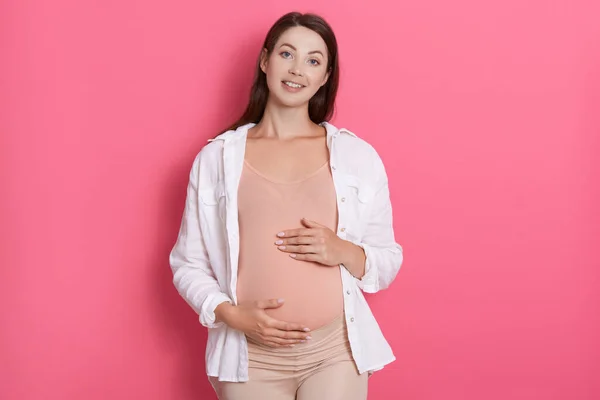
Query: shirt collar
331	129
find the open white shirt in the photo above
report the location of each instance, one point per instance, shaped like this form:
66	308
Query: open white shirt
204	259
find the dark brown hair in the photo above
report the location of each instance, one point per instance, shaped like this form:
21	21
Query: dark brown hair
321	105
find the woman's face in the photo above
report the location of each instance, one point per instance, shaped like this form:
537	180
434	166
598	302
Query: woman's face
296	68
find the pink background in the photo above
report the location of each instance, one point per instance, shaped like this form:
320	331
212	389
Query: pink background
487	115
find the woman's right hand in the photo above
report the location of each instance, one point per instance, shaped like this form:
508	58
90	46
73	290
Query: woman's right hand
252	319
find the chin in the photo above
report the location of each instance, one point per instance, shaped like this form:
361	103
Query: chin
293	104
289	101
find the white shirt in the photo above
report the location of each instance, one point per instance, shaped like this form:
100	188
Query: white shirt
204	259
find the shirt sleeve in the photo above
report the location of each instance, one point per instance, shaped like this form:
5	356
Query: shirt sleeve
193	276
383	255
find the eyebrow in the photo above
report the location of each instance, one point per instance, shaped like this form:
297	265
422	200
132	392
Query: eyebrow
310	52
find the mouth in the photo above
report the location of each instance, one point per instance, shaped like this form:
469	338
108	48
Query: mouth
293	85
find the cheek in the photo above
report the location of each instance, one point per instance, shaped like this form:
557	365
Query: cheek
315	80
275	66
316	77
273	82
274	73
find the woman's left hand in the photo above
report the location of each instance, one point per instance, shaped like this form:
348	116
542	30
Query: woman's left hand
315	243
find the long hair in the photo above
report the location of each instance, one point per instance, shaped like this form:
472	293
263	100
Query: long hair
321	106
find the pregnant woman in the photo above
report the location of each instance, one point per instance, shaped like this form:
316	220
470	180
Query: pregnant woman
287	222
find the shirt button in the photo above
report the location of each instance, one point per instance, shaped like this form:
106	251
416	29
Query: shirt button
343	199
333	167
343	230
352	319
347	291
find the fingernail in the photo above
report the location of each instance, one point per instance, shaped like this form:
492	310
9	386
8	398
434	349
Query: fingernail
308	337
293	255
292	345
280	234
306	329
303	341
279	242
280	300
281	247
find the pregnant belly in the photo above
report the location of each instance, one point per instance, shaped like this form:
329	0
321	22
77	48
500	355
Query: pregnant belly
312	292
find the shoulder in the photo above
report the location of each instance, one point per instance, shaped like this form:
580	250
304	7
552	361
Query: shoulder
211	150
208	157
359	161
359	153
207	163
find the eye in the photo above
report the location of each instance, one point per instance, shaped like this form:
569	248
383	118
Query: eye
285	54
314	61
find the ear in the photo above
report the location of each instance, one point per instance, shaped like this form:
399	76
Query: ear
263	60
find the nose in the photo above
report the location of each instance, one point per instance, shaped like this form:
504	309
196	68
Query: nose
295	70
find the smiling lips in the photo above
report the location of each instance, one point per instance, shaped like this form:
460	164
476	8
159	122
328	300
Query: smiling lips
292	86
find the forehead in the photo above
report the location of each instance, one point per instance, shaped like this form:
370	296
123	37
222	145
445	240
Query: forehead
303	39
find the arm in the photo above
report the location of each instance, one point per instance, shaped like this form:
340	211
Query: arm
383	255
192	274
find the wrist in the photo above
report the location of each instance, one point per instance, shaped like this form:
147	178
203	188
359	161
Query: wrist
355	260
349	252
223	312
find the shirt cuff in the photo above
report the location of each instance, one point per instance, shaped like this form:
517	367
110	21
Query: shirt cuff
207	314
368	282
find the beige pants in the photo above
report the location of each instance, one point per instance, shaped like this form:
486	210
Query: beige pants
321	368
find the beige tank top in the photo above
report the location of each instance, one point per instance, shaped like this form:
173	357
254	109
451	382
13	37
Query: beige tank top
312	292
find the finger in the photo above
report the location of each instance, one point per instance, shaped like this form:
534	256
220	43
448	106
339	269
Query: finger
296	232
311	224
277	341
305	249
287	326
284	342
299	240
285	335
307	257
271	303
270	343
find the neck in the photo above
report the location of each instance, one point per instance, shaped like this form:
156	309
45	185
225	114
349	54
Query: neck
280	122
